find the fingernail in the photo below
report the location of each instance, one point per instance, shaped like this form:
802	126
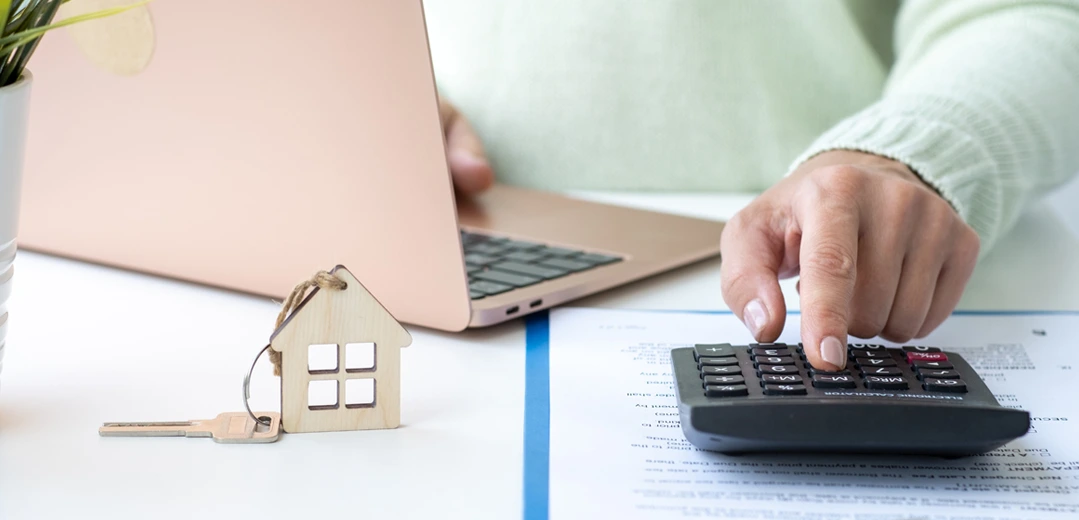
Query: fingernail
755	317
833	351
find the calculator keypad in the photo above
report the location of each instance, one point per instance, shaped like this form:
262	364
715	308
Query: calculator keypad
778	369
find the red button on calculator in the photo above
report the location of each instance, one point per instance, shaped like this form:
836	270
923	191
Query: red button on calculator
926	356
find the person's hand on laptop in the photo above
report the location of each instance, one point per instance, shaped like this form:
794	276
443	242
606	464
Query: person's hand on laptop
877	250
468	164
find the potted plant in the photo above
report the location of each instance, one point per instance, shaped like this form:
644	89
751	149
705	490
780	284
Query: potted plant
22	24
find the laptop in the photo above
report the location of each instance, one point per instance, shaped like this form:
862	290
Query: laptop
263	142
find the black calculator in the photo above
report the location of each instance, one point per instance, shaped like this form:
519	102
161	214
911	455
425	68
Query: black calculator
768	398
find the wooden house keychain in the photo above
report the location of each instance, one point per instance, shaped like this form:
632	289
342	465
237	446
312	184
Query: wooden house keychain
338	352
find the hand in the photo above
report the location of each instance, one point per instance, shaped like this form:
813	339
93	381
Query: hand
468	164
877	250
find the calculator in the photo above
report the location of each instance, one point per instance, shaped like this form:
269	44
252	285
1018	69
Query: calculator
768	398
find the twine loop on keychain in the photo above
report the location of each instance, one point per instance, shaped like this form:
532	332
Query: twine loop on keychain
322	280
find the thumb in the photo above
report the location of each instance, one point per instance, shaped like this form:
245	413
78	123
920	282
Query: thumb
752	254
468	163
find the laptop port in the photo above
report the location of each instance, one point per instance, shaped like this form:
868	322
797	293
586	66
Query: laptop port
512	310
535	304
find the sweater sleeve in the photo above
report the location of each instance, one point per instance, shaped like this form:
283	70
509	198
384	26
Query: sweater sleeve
982	102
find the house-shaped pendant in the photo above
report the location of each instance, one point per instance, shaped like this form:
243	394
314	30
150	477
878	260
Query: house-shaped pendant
340	361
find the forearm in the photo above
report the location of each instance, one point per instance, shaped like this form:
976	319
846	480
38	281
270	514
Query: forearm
983	103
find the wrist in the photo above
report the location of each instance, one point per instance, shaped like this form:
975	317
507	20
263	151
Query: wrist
876	162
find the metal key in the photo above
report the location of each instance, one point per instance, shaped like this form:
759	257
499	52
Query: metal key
229	428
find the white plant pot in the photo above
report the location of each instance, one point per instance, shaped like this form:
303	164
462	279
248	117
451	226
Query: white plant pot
14	111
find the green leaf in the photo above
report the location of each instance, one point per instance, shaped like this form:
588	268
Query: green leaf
24	37
5	9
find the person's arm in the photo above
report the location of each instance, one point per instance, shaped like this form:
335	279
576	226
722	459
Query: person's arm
982	102
983	106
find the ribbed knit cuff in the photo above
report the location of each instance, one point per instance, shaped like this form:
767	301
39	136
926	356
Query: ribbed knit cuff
958	165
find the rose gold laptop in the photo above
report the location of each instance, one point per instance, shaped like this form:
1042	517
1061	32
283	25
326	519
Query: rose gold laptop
267	140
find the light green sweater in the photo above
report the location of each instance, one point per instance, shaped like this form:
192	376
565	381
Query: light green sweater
980	97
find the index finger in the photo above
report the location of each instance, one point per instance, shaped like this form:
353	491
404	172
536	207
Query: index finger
828	260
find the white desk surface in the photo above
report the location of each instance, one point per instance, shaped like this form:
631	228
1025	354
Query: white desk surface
89	344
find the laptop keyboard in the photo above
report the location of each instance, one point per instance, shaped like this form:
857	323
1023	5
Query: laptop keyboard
497	265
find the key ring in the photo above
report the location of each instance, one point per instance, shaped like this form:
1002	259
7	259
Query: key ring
247	388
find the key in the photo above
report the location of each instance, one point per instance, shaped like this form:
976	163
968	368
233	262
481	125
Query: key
876	354
945	385
784	360
784	390
713	370
781	379
777	369
716	350
910	348
926	356
760	351
881	371
717	361
830	381
725	390
724	380
885	383
939	374
228	428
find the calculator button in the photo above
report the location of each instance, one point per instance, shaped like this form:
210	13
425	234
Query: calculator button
721	371
770	352
784	390
878	354
726	390
781	378
778	369
837	381
724	380
910	348
786	360
865	346
945	385
768	345
873	362
815	372
939	374
926	356
932	365
885	382
881	371
717	361
717	350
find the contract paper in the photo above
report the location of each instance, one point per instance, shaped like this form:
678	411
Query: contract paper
617	448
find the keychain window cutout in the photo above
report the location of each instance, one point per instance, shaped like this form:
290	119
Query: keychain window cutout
359	393
322	359
359	357
322	394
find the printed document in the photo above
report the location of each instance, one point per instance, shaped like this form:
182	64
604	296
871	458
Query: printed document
617	448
